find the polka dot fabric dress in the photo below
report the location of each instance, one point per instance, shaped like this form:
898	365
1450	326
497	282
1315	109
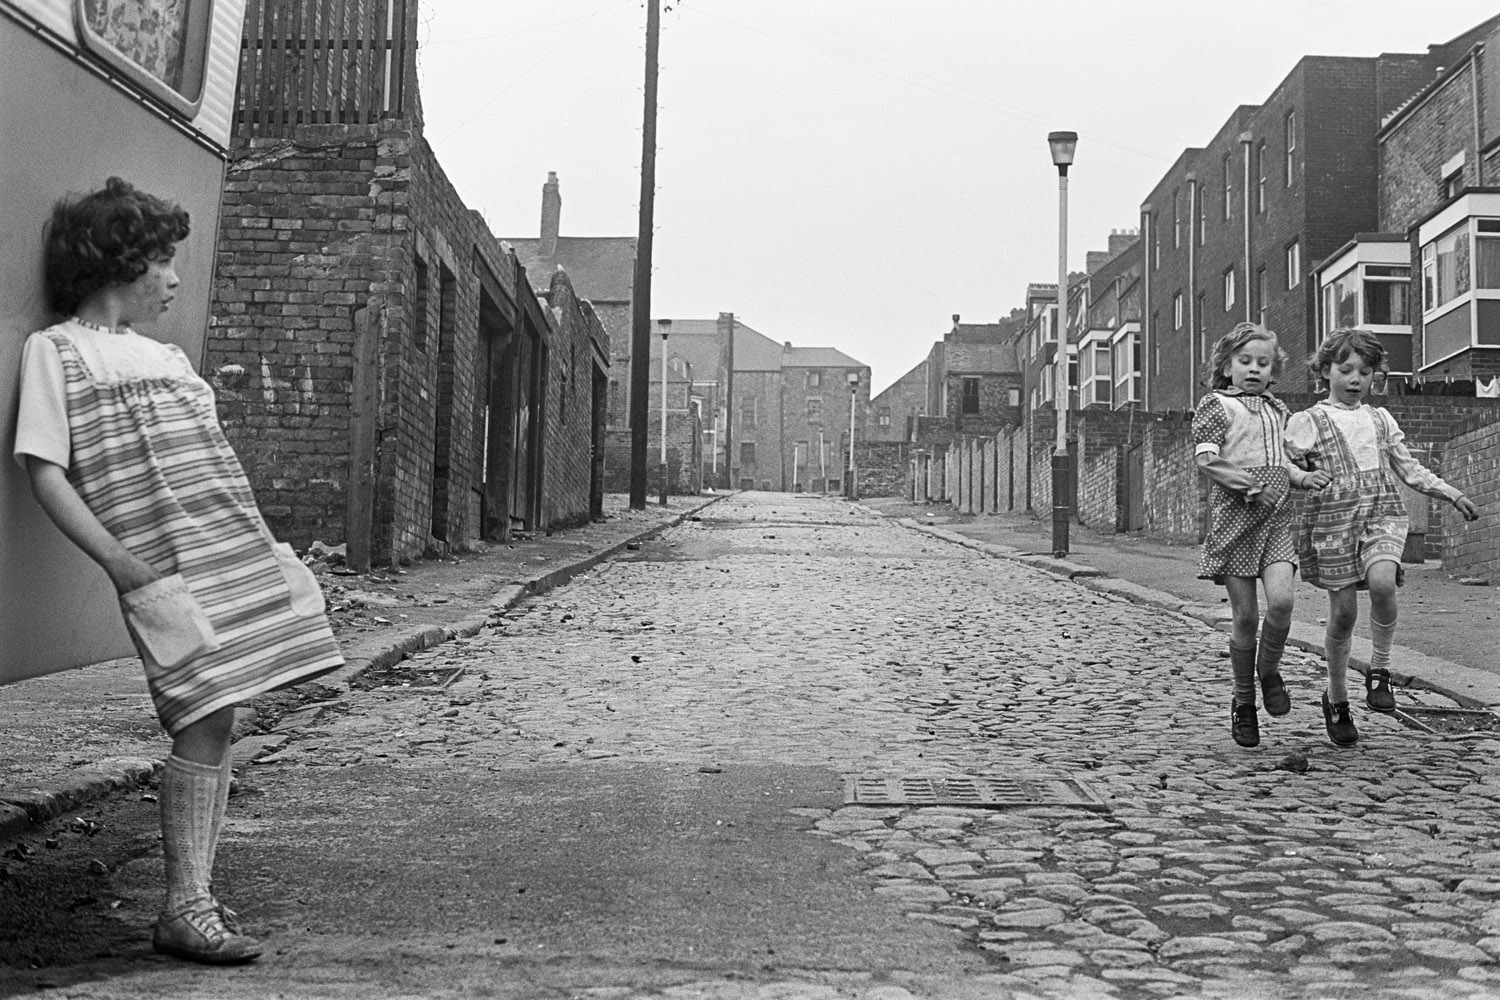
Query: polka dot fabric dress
1244	537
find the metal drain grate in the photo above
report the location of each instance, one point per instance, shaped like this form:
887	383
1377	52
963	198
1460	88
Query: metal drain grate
985	791
1449	721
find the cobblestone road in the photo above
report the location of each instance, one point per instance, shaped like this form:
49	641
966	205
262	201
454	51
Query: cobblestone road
835	639
805	632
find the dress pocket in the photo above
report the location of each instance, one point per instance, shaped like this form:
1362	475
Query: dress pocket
302	586
167	621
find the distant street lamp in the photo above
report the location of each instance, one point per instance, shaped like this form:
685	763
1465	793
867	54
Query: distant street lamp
666	327
849	489
1063	144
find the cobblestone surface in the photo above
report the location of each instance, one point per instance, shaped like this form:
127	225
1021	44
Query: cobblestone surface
836	639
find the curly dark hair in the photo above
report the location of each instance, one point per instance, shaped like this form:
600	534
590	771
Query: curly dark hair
106	238
1228	345
1341	343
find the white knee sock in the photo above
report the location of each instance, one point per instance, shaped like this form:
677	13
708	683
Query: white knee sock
1381	634
1337	651
189	806
221	804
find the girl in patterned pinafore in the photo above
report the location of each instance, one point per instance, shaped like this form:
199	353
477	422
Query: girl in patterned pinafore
1353	531
123	446
1238	429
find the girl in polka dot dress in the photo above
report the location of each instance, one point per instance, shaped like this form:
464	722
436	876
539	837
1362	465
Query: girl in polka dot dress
1353	532
1239	428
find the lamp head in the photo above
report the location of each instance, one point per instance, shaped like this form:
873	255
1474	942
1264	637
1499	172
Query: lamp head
1063	144
853	378
665	325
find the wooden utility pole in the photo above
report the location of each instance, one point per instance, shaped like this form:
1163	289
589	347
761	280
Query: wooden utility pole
640	321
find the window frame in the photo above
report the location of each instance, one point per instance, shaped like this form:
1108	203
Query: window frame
1177	311
1228	186
1260	194
1289	125
1229	288
1293	264
195	55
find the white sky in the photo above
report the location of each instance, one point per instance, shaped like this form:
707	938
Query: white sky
850	173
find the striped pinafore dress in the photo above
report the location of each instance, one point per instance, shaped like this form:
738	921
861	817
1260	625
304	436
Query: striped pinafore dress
1355	521
150	461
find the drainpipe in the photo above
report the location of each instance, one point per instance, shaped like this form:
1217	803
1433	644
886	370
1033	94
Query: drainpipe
1146	332
1192	290
1474	55
1245	139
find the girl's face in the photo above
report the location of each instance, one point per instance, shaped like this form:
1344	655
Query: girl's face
147	297
1349	379
1249	368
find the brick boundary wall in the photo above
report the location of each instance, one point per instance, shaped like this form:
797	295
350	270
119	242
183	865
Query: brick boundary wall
1473	458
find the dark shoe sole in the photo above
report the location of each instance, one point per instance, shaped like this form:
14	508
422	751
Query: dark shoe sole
1273	694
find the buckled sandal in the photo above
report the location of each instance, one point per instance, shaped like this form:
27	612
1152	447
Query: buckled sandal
1378	694
1243	725
197	933
1273	694
1339	723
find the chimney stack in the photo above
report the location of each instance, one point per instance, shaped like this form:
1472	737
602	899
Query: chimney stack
551	216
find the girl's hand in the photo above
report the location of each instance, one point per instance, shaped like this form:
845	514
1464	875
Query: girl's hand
1269	495
132	574
1467	508
1317	479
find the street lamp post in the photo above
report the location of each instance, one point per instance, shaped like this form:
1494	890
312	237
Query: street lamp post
1063	144
849	488
666	327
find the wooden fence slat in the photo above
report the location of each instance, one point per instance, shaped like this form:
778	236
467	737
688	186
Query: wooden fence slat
379	55
263	69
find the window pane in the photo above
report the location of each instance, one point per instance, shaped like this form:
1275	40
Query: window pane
1385	303
1487	263
1346	304
153	34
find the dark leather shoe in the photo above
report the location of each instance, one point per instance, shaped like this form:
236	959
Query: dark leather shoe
1340	725
1378	693
1243	725
1273	694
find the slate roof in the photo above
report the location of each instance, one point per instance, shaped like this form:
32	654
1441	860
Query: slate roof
818	357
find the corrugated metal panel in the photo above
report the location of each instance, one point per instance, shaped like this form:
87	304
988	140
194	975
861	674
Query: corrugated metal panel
217	109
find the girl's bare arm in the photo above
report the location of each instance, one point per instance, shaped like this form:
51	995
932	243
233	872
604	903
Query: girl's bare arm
73	518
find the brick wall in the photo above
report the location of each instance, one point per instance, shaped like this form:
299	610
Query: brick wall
303	245
339	233
569	432
1473	465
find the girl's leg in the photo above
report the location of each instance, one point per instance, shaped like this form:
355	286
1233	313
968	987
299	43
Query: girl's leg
1382	581
192	805
1343	612
1244	607
1243	725
1277	580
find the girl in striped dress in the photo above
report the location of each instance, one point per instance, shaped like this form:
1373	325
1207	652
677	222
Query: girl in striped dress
122	443
1353	531
1238	429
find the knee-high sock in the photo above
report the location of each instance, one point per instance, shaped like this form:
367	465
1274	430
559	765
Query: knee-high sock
1381	634
1337	651
189	793
221	803
1242	662
1272	645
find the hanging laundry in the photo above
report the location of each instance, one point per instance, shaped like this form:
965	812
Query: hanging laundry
1489	388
